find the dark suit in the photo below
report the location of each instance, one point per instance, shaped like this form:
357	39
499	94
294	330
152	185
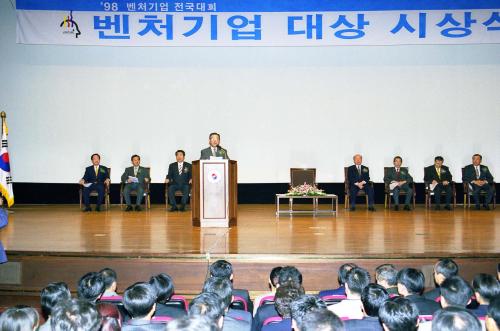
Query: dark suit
484	174
97	183
142	175
355	176
431	174
425	306
233	324
142	325
207	152
433	294
366	324
178	181
401	175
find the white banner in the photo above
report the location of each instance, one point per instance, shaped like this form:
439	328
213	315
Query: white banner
258	24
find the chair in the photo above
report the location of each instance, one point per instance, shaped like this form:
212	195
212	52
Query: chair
178	193
299	176
178	301
333	299
272	320
429	194
239	303
389	193
93	193
147	195
267	300
347	194
468	192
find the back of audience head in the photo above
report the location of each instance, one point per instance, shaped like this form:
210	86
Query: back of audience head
221	269
284	297
51	295
486	287
209	305
19	318
163	286
493	317
75	315
399	314
91	286
372	297
274	277
110	324
386	275
222	287
444	268
192	323
356	280
291	276
455	291
342	273
410	281
109	278
320	320
303	305
140	300
455	319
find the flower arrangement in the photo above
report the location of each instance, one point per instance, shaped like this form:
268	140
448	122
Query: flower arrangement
305	190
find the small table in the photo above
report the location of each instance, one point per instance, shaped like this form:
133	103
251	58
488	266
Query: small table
315	211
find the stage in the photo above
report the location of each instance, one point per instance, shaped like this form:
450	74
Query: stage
59	242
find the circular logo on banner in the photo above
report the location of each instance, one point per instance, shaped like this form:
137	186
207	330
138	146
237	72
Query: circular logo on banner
214	177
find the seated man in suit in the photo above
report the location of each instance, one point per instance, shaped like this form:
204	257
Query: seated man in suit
178	178
402	179
444	268
359	179
96	175
214	149
440	176
372	297
480	179
411	284
134	179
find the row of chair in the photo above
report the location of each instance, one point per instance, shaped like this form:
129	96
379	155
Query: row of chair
299	176
147	193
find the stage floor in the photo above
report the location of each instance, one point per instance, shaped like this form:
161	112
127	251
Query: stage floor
64	229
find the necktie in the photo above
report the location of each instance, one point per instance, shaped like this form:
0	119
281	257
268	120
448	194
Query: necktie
135	172
397	173
439	172
96	168
214	151
180	168
477	173
359	171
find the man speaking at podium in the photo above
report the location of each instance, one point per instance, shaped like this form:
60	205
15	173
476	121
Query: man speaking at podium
215	150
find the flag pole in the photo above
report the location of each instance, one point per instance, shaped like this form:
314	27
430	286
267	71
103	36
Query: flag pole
3	115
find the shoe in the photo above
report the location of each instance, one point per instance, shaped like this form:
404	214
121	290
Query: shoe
478	207
486	207
98	208
352	209
173	208
87	209
183	208
138	208
437	207
129	208
396	207
371	208
407	207
447	207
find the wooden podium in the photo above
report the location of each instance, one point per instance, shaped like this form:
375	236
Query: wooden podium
214	196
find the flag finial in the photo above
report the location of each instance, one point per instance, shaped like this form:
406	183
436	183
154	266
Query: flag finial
3	115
